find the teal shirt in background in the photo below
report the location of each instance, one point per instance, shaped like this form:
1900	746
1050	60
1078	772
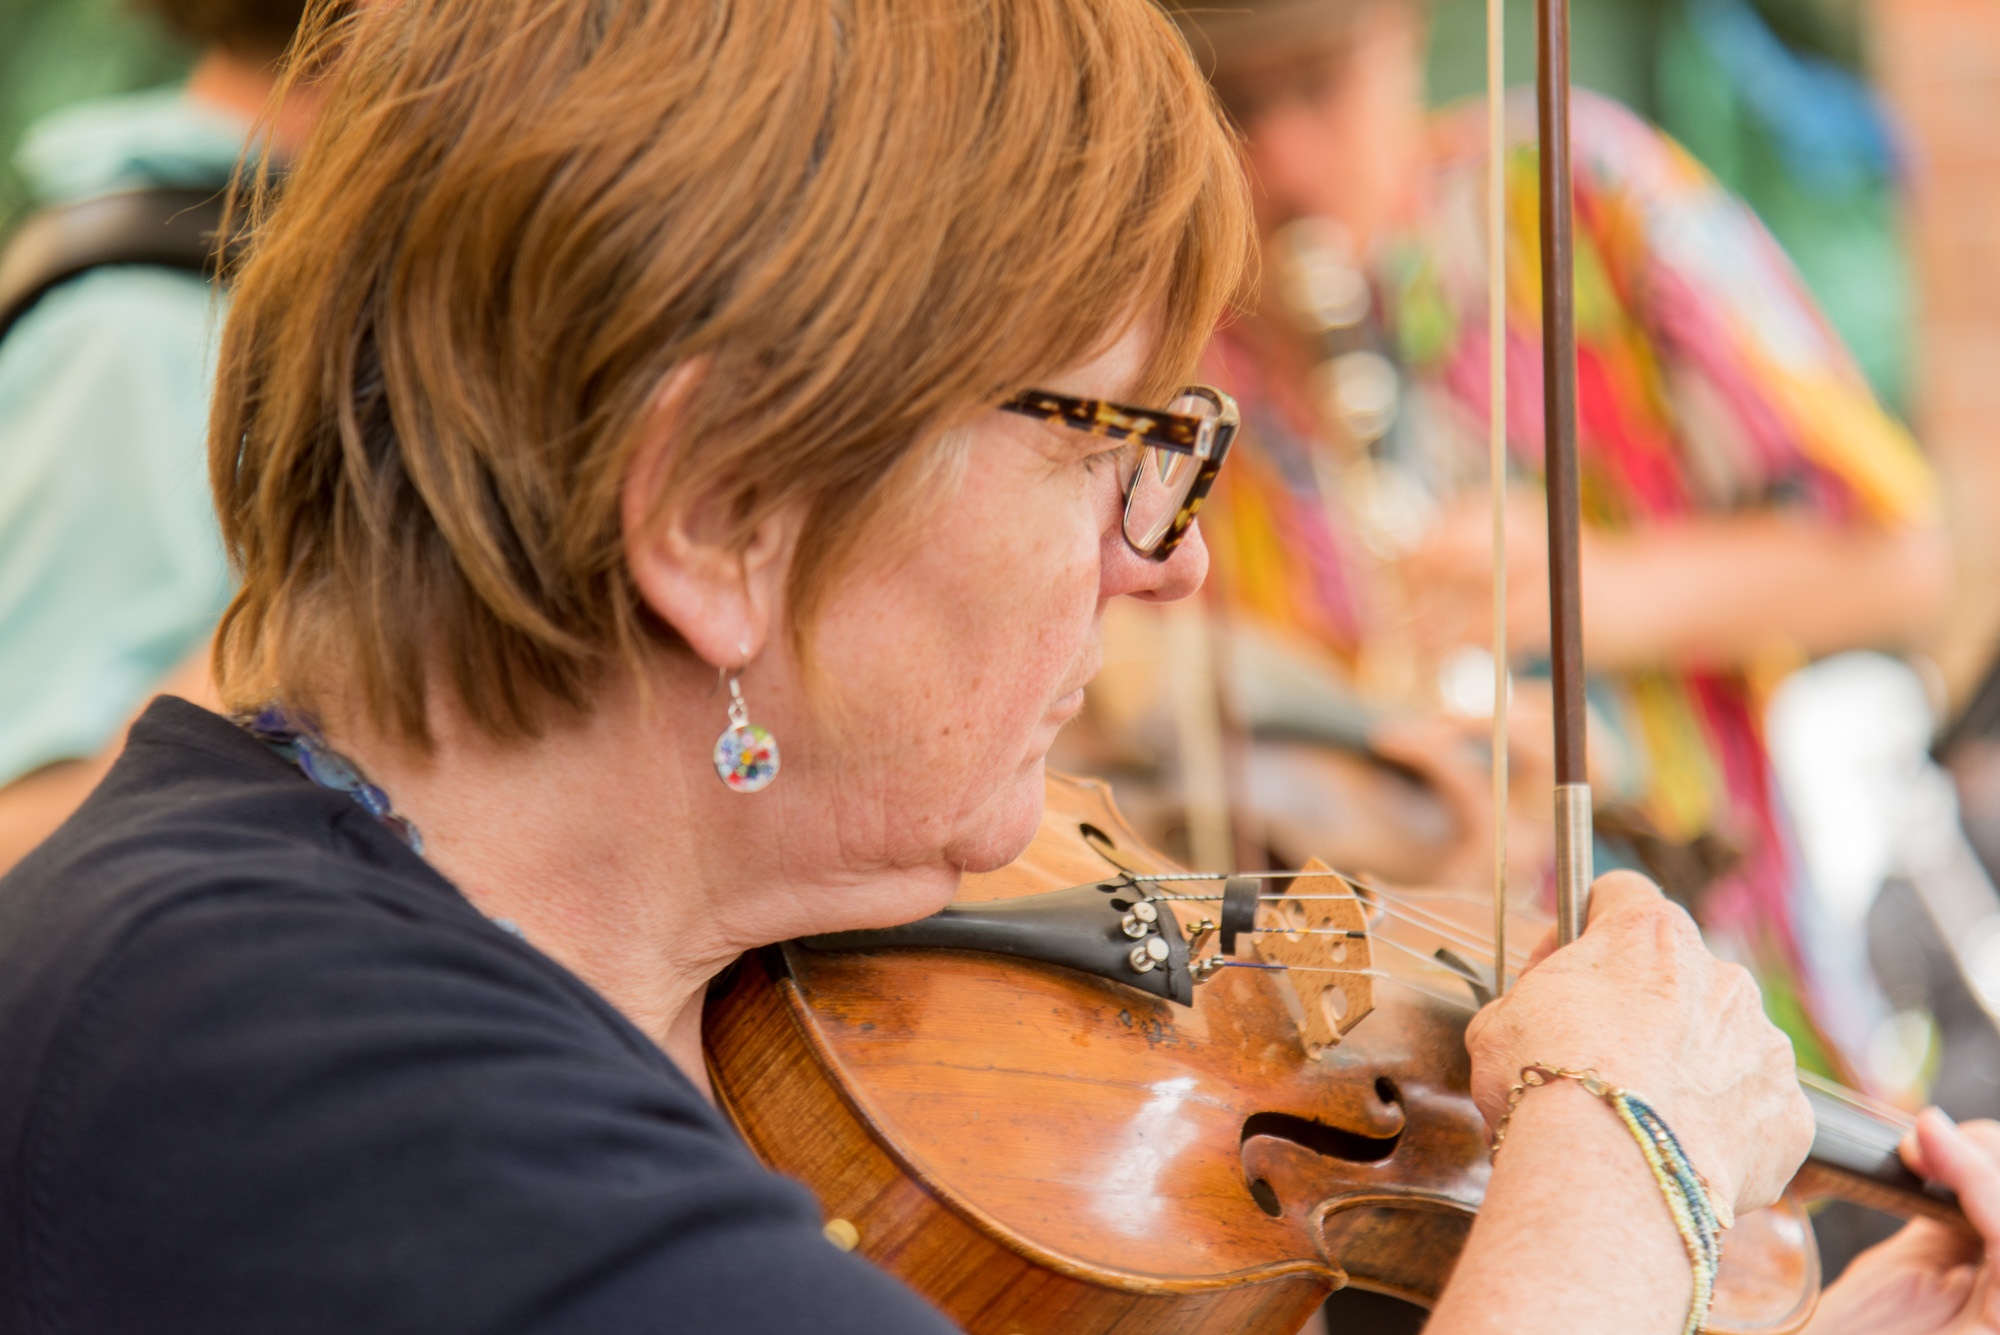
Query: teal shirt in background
111	568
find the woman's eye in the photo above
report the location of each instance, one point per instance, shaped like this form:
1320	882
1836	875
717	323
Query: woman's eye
1118	457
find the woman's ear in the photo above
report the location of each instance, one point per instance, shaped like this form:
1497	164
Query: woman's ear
726	600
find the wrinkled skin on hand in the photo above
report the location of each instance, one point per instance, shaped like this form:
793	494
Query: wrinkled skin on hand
1930	1279
1639	998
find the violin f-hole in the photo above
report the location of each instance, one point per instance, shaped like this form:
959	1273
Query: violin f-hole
1327	1142
1266	1197
1102	844
1330	1142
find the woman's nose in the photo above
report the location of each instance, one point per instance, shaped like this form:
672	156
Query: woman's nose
1179	575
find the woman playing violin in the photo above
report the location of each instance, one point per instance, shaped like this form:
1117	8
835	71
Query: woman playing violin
644	436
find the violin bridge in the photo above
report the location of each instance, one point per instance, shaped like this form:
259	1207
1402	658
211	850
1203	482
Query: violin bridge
1322	941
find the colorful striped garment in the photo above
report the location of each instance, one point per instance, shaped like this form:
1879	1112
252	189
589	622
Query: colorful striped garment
1708	384
1282	549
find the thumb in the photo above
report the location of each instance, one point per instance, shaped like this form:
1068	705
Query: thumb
1609	893
1543	949
1616	890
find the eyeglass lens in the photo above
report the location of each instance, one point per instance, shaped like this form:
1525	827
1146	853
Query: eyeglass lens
1161	484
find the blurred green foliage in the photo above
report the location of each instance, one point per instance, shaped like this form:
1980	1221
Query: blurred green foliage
1615	45
1612	43
54	52
1840	219
1846	237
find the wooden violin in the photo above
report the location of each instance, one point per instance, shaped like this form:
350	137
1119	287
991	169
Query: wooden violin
1038	1148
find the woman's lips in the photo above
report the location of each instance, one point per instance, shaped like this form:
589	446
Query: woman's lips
1065	708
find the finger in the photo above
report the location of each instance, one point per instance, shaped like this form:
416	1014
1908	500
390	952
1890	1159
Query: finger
1617	890
1986	1299
1957	1161
1984	1133
1936	1247
1489	1082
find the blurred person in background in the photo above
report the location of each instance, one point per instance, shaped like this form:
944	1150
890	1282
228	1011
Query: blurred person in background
111	571
1747	502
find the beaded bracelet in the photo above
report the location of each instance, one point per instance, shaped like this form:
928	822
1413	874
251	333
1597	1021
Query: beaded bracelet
1698	1212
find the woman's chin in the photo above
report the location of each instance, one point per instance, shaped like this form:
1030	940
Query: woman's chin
1005	826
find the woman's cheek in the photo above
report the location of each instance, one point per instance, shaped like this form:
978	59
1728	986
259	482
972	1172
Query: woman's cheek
1054	574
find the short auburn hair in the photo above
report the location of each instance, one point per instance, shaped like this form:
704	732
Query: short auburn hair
868	219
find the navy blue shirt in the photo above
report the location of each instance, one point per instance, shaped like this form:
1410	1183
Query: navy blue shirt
263	1070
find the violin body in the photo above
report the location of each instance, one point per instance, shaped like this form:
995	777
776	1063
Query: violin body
1035	1149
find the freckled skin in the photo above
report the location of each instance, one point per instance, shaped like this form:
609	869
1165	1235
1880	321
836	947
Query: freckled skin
959	659
942	666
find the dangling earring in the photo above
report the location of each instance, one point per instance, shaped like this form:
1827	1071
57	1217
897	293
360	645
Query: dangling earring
746	756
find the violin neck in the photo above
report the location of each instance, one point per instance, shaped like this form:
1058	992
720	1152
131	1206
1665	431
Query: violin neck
1854	1156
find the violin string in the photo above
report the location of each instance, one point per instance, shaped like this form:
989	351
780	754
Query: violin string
1465	938
1463	974
1402	913
1406	914
1229	876
1451	932
1313	931
1441	998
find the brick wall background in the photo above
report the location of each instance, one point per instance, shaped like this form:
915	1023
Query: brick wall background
1938	63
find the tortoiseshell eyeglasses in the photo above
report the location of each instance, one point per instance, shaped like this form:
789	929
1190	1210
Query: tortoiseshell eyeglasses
1176	455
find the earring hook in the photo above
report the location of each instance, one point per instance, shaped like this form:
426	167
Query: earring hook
723	671
746	756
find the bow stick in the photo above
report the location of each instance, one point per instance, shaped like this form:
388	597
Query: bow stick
1496	441
1572	795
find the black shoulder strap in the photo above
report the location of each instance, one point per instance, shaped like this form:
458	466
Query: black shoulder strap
169	228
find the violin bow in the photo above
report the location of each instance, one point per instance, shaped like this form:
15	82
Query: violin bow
1572	790
1572	795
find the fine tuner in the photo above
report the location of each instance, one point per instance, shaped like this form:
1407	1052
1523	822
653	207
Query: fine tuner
1259	1123
1121	929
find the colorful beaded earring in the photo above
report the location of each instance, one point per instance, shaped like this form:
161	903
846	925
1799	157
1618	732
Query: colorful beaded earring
746	755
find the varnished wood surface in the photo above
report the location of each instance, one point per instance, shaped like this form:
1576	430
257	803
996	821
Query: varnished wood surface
1040	1151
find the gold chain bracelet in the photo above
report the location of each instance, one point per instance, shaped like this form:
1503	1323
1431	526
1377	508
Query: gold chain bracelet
1698	1213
